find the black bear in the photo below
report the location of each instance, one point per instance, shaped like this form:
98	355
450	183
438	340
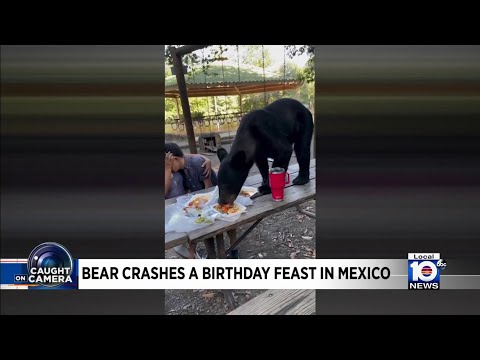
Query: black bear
262	134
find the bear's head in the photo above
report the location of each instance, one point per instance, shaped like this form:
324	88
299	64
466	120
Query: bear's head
232	174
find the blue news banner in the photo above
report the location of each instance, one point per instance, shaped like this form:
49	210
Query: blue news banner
14	274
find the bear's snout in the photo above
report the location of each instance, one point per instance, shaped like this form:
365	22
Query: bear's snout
226	199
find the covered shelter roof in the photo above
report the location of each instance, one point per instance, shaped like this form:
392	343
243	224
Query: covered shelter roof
231	80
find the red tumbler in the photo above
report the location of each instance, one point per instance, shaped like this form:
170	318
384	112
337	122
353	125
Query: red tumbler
278	179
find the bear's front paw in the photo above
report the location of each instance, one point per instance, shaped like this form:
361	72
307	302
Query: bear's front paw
300	180
264	189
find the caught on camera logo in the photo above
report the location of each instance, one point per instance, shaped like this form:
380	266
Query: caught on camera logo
424	271
49	266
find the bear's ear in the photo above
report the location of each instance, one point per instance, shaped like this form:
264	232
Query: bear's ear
239	160
222	154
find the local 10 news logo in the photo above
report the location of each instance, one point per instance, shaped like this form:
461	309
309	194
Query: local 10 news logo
424	271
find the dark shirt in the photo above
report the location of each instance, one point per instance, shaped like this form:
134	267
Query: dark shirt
194	173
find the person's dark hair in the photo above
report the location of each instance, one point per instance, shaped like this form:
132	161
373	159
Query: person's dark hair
174	149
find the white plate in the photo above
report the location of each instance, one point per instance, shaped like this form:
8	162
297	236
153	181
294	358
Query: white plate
192	210
240	206
250	190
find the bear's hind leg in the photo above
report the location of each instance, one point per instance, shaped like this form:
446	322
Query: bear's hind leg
302	151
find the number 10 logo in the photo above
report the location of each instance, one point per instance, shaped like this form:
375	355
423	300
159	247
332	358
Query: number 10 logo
425	271
423	275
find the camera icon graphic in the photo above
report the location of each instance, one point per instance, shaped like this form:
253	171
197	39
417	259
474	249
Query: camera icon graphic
50	264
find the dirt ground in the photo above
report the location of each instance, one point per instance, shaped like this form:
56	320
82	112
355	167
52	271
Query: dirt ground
285	235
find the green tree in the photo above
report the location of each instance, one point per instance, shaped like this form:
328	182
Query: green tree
309	71
306	92
255	56
199	59
170	110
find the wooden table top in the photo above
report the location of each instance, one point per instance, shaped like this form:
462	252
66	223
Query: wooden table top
262	207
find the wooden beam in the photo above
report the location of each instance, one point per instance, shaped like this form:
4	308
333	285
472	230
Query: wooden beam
219	91
187	49
182	90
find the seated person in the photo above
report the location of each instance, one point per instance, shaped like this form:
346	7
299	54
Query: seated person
186	173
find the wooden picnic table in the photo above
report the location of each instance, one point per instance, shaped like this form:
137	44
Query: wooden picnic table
262	207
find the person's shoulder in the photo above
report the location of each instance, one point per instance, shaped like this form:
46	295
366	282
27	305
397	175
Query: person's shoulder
196	160
177	177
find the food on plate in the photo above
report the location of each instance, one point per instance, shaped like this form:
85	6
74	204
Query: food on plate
202	220
198	202
227	209
247	191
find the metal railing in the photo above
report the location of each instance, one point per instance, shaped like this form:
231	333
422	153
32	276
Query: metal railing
209	121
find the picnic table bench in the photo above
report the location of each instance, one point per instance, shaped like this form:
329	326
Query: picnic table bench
279	302
262	207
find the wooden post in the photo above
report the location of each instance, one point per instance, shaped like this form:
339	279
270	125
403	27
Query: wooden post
228	294
182	90
210	245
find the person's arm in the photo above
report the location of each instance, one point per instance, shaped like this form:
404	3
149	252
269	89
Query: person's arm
168	172
208	182
207	164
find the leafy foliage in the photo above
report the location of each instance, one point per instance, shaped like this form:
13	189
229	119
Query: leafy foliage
255	56
194	60
309	71
201	61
